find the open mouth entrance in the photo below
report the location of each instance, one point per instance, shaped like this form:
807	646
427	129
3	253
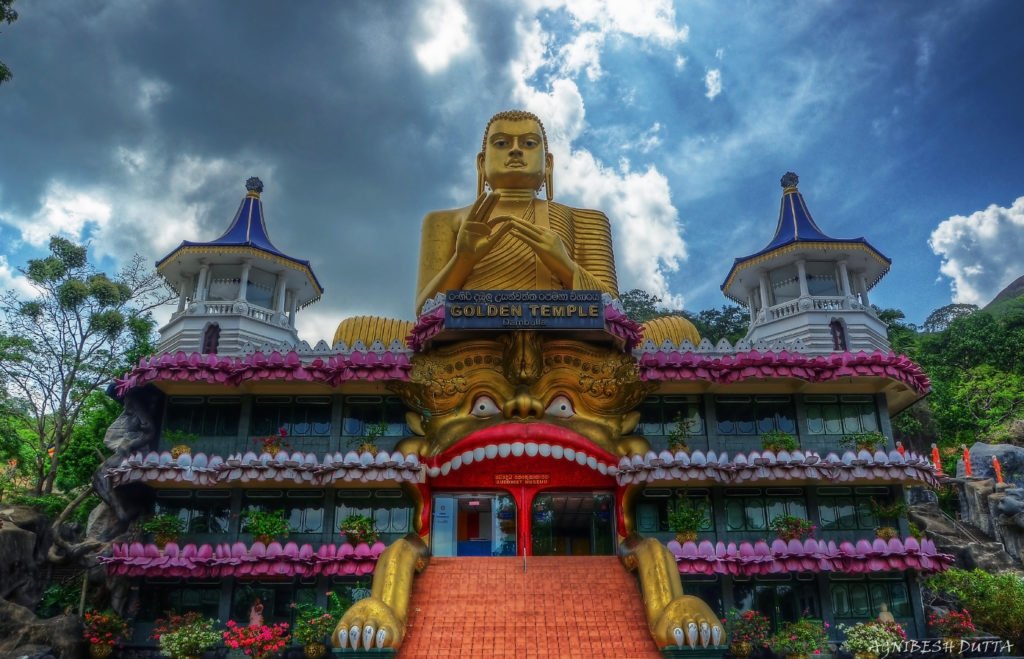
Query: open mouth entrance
573	524
474	524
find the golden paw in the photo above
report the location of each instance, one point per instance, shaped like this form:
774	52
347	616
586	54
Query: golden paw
688	621
370	623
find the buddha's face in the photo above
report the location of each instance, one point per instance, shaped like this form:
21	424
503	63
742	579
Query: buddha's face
514	156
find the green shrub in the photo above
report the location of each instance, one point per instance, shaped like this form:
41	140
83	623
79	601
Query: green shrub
777	440
996	602
50	505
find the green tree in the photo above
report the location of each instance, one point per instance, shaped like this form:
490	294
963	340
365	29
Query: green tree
642	306
729	322
68	341
940	319
7	15
85	451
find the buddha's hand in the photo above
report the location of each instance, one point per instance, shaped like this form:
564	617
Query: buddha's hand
548	247
478	234
370	623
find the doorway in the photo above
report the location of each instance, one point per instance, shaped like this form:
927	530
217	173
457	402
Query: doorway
573	524
473	524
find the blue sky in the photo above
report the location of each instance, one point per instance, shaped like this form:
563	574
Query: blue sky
134	125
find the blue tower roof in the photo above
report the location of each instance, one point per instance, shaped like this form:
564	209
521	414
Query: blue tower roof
247	230
796	228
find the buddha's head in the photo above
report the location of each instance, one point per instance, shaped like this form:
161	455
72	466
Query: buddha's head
514	154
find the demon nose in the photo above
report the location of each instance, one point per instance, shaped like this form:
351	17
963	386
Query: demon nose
522	406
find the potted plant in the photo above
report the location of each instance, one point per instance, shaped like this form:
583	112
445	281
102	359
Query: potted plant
887	532
256	641
799	639
747	630
791	527
173	622
358	528
273	444
265	525
953	626
678	434
367	442
103	630
686	520
180	441
915	531
165	528
871	639
869	441
190	639
777	440
312	625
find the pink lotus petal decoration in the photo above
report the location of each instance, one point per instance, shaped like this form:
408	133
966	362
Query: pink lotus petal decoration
208	561
808	556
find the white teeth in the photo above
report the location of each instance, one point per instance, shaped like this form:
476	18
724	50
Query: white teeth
602	468
434	472
557	452
569	454
491	451
479	454
517	449
504	450
456	462
467	458
544	450
581	458
531	449
445	468
592	462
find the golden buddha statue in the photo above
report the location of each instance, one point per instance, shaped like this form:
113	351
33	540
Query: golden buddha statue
509	239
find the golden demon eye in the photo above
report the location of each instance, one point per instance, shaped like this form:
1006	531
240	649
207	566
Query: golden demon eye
561	407
484	407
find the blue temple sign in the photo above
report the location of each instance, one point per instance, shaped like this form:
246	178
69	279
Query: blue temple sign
505	310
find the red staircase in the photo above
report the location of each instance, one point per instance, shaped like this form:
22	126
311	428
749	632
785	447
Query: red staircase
587	607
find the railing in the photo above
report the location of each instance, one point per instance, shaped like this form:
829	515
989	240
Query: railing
792	307
227	308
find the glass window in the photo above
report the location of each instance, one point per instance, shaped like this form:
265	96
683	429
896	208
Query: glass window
161	596
276	598
391	510
653	508
821	278
779	601
861	598
784	284
302	416
660	414
849	509
754	510
754	415
260	288
201	512
362	412
304	509
214	416
840	415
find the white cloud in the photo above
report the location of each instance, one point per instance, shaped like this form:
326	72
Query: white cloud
650	20
12	279
680	63
151	92
448	26
720	54
981	252
64	211
583	54
713	83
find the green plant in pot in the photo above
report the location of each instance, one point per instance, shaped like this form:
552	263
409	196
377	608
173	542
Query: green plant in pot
164	528
791	527
367	442
678	434
777	440
747	631
312	625
686	520
359	528
265	525
190	639
869	441
802	638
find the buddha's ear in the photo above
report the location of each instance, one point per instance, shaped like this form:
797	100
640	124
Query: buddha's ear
549	176
479	173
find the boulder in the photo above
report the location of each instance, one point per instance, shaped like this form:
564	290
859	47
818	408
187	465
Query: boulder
970	546
22	633
19	571
1011	458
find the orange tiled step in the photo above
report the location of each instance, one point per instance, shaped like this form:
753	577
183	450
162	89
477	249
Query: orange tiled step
587	607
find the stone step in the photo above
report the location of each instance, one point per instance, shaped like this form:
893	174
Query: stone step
559	607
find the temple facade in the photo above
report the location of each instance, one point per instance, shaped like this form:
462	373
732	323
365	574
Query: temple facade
526	423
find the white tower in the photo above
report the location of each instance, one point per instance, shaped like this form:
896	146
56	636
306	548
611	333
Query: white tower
807	286
238	289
